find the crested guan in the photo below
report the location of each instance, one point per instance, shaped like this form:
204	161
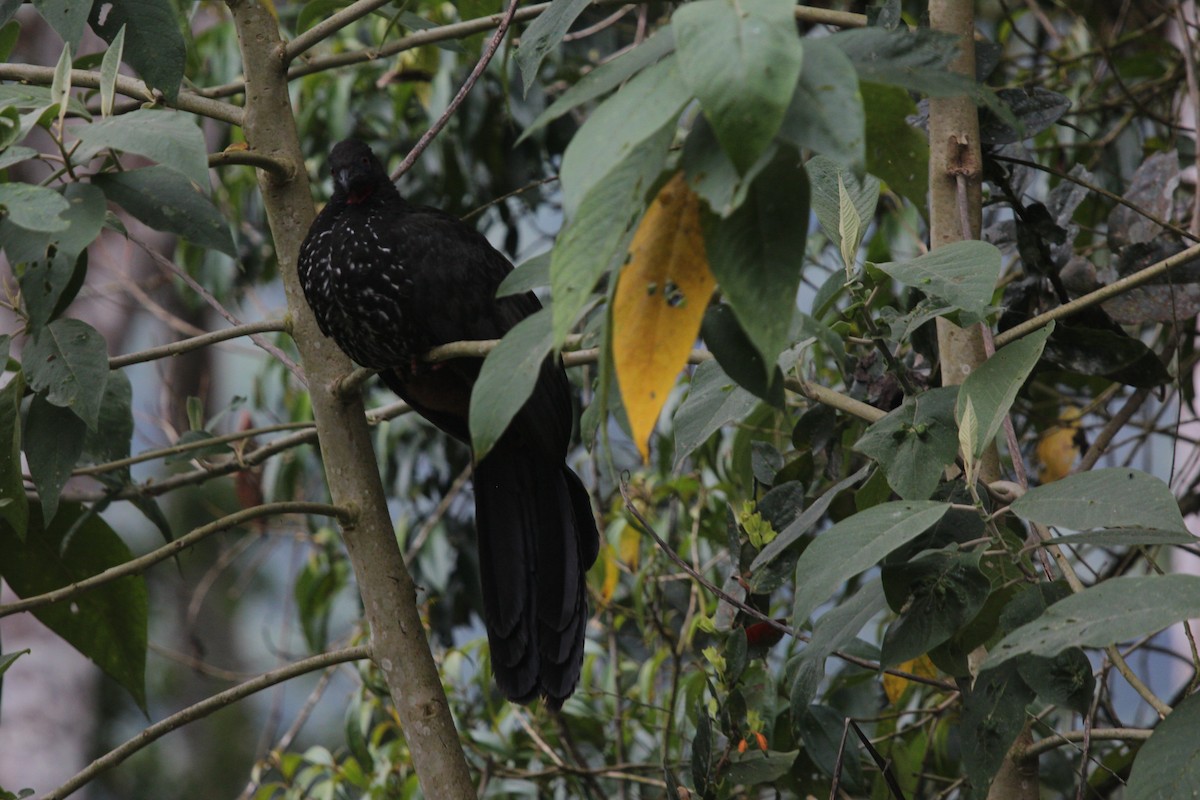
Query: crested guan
387	281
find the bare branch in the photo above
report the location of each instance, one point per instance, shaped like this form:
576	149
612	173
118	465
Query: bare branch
1102	294
485	58
203	709
197	342
329	26
131	87
142	563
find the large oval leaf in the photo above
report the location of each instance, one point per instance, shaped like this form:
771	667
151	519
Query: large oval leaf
1168	765
1114	611
741	60
856	544
68	362
507	379
165	200
659	303
106	624
1118	497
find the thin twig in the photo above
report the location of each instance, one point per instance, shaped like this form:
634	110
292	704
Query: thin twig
130	87
203	709
484	59
1097	734
1099	295
329	26
197	342
142	563
208	297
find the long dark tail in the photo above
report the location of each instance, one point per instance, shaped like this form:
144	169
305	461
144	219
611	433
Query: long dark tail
537	539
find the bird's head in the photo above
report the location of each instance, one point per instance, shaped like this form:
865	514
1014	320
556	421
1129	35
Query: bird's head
357	173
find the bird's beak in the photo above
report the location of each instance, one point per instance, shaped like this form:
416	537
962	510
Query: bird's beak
342	179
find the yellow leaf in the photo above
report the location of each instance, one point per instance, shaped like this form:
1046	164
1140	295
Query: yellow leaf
1058	448
629	546
612	572
894	685
660	301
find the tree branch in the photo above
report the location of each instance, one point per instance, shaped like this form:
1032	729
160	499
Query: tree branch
1108	734
130	87
461	30
399	644
142	563
329	26
197	342
485	58
1100	295
203	709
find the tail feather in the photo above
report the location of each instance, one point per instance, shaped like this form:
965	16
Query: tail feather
537	539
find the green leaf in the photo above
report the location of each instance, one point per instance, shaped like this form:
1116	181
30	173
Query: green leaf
963	274
618	128
34	208
53	443
43	287
10	32
756	767
605	78
85	218
854	545
702	744
1168	764
7	659
992	387
109	67
10	132
897	152
1123	537
820	728
938	594
533	273
507	379
826	177
745	90
806	521
757	252
60	87
68	362
710	172
1103	498
12	487
595	238
544	34
737	355
832	631
826	111
108	623
166	201
114	431
1064	680
67	17
915	442
713	401
917	60
171	138
992	717
1114	611
154	45
14	154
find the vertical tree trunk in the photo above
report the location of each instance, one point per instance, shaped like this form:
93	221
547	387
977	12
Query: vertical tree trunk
954	215
399	644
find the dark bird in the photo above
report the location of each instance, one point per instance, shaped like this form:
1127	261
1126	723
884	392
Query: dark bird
387	281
